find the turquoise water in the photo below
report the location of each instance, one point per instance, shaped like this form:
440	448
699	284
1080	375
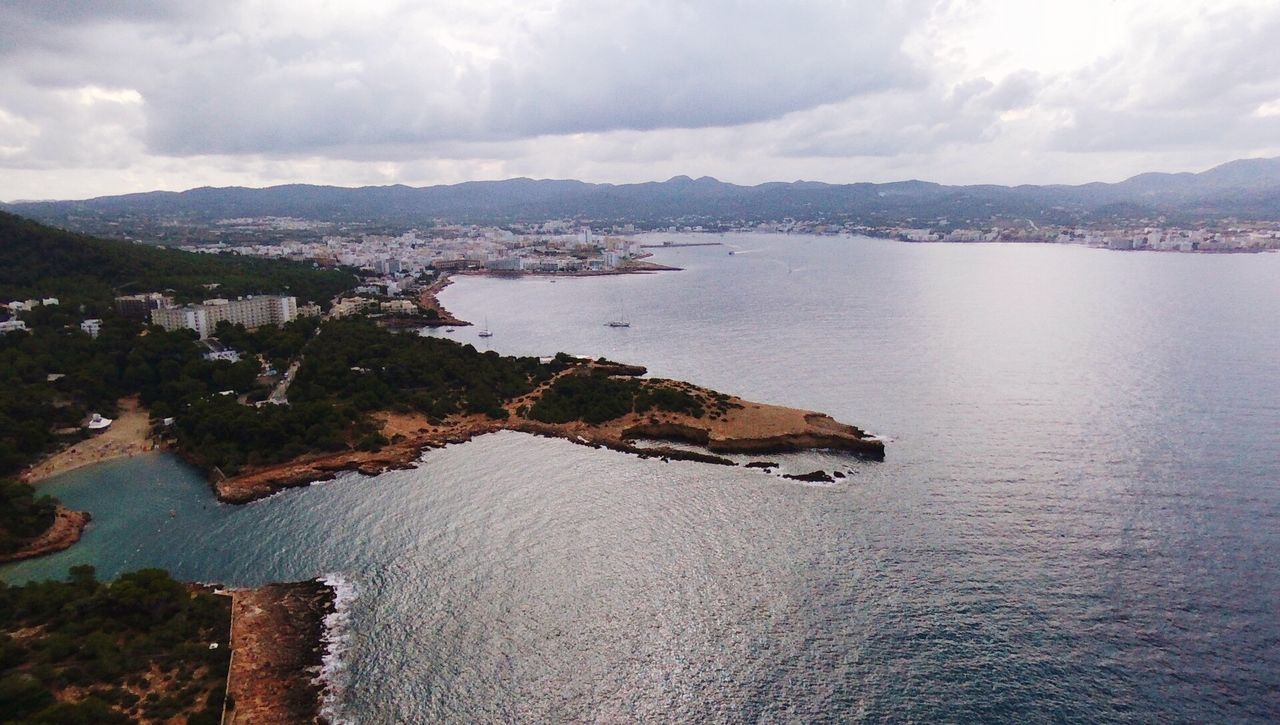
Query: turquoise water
1077	517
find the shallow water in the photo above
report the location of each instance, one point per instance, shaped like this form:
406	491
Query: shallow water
1077	517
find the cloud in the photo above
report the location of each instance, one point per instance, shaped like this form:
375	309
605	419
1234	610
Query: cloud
112	96
1197	79
294	80
908	121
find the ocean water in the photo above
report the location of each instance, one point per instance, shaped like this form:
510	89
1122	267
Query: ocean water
1078	517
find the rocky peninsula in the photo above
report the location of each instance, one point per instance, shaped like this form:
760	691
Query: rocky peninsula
437	315
277	653
66	529
716	423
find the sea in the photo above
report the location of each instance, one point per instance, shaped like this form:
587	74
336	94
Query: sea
1077	519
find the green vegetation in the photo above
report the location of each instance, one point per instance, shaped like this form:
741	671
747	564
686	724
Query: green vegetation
220	432
166	369
39	261
357	363
83	651
277	344
54	376
349	368
22	516
597	399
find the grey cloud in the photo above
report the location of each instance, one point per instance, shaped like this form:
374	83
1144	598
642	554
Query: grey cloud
691	65
56	25
1098	129
213	86
908	121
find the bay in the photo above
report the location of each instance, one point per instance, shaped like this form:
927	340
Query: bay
1076	519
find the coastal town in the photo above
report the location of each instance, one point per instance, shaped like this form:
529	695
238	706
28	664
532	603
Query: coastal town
568	246
551	248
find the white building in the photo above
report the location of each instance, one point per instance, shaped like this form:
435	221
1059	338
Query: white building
12	326
252	312
348	306
91	327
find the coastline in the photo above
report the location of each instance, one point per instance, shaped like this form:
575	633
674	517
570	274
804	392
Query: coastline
633	266
745	428
67	528
278	635
887	236
428	300
128	436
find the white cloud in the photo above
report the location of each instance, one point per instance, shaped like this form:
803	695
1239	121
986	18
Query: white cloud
97	98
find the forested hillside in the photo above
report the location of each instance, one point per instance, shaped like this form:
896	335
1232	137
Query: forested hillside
40	261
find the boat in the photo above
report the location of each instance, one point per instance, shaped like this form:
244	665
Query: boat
730	252
620	322
450	329
485	332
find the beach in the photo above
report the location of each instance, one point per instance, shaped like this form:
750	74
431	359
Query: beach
128	435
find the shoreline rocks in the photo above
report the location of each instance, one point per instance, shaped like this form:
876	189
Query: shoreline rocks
744	427
277	647
67	528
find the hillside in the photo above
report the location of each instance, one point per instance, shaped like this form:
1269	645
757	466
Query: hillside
40	261
1248	189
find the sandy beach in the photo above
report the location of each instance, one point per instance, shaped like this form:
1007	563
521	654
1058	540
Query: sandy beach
127	436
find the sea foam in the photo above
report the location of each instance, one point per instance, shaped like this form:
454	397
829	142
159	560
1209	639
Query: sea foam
333	675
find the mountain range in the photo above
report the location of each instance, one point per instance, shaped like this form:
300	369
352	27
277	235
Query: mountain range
1246	189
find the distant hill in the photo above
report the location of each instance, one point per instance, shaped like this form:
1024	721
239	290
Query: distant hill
1247	189
40	261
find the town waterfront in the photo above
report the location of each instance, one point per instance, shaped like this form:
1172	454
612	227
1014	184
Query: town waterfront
1077	518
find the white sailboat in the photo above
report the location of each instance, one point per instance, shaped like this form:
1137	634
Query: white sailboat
621	321
485	332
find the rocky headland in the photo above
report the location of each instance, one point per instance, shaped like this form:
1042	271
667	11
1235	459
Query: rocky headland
725	425
66	530
277	650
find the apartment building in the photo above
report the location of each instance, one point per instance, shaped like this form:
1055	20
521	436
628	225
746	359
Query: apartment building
139	307
252	312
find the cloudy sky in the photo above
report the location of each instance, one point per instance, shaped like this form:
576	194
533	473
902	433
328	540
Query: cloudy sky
112	96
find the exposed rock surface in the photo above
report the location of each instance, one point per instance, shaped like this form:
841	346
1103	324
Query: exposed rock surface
66	529
277	650
739	426
811	477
